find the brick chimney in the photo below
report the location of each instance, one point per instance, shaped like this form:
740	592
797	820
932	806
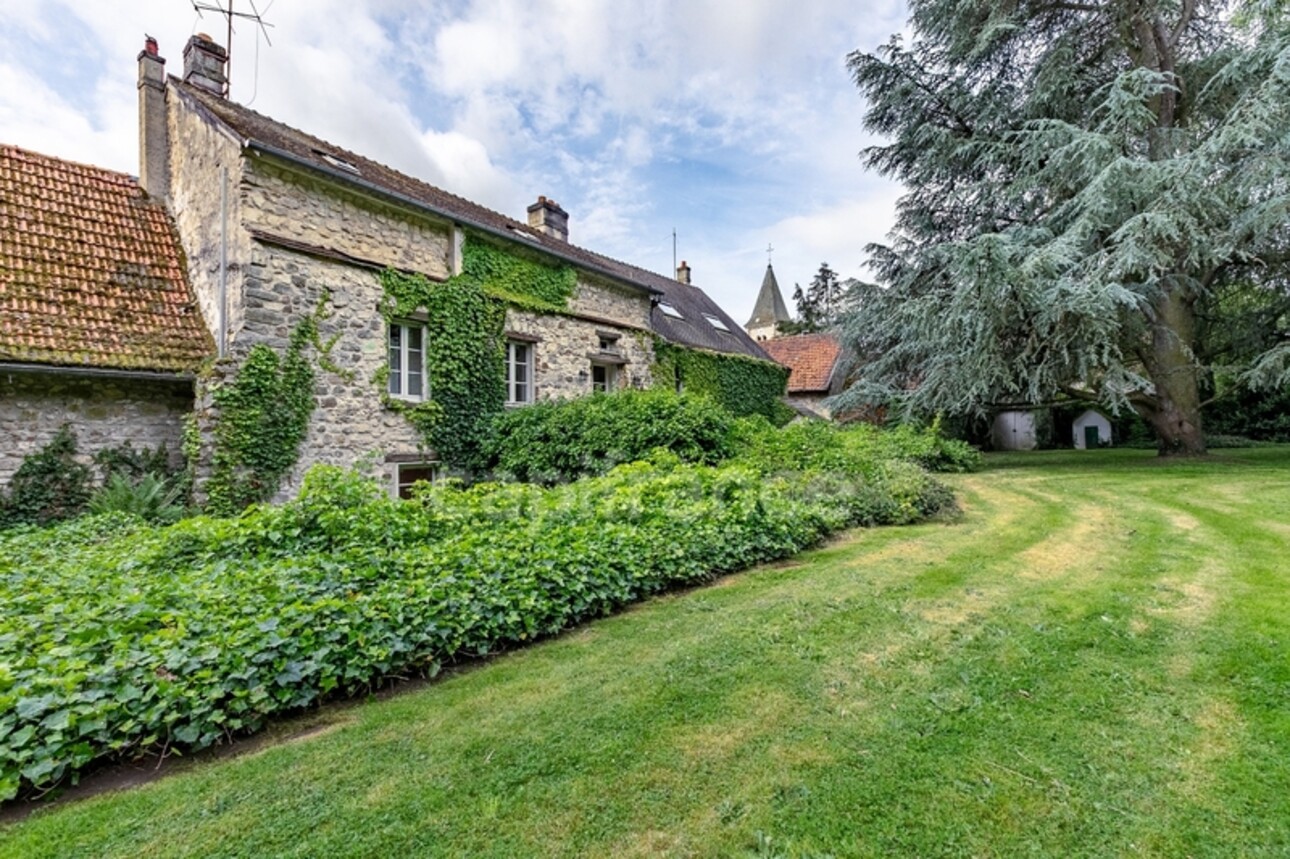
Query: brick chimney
204	64
154	132
546	216
683	272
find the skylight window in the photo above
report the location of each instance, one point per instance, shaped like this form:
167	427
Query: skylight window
336	161
669	310
716	323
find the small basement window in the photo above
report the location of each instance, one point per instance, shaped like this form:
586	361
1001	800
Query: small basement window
716	322
669	310
609	343
408	474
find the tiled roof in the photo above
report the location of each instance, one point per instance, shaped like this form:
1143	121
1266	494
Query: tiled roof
255	129
91	272
692	328
770	307
811	358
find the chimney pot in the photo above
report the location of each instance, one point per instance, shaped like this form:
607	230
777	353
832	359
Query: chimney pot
547	217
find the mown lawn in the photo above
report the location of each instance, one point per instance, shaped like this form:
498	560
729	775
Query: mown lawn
1093	661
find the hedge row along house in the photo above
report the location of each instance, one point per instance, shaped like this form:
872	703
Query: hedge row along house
306	304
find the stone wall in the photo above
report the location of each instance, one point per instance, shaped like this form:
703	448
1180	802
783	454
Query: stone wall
103	412
316	212
597	297
564	348
202	154
350	426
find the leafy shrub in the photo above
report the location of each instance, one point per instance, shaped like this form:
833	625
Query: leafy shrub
857	449
49	485
556	442
134	464
118	637
150	497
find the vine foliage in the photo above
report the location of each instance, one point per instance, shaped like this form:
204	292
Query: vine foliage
465	360
517	279
263	416
744	386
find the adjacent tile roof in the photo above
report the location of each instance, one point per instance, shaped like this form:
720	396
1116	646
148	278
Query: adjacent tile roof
770	306
694	329
813	359
91	272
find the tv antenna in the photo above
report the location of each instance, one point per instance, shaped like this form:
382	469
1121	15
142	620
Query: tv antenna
229	15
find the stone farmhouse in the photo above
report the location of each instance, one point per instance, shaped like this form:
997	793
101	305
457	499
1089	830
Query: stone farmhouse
238	228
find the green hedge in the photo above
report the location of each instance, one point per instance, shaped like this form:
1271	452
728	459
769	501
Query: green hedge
560	441
742	385
117	637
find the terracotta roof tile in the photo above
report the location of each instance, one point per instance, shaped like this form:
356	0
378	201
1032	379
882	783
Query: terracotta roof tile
811	358
91	273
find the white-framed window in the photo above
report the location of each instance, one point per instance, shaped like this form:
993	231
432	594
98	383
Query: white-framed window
407	361
519	372
604	377
407	474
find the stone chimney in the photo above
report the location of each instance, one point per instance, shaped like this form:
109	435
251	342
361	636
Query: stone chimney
546	216
683	272
154	132
204	64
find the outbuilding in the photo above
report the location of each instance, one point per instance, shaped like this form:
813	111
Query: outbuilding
1091	430
1014	430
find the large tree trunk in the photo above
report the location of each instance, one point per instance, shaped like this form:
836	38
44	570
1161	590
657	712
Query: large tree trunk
1176	416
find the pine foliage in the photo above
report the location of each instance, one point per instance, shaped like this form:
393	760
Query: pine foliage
1086	182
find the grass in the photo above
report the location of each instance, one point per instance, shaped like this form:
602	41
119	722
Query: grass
1092	661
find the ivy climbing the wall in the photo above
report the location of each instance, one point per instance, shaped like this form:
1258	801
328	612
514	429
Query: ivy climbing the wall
517	279
744	386
263	416
465	360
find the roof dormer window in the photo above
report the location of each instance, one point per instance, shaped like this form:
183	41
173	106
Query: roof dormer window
669	310
337	162
716	322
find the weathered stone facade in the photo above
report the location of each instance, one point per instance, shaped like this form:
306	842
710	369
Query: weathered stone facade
566	347
607	300
312	211
203	157
103	411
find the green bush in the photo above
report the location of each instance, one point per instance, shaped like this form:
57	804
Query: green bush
150	497
556	442
858	449
118	637
49	485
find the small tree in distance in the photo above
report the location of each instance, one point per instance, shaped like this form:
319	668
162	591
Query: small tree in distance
819	306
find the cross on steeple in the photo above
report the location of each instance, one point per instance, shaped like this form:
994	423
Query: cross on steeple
770	249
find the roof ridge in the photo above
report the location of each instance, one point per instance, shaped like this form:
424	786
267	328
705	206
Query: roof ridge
206	99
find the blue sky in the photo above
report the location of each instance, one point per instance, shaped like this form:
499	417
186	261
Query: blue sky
732	121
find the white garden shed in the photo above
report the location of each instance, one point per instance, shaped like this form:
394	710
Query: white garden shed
1091	430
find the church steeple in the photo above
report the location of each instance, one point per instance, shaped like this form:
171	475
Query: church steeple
770	310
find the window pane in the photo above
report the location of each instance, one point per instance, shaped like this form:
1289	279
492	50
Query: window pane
414	383
410	474
414	338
